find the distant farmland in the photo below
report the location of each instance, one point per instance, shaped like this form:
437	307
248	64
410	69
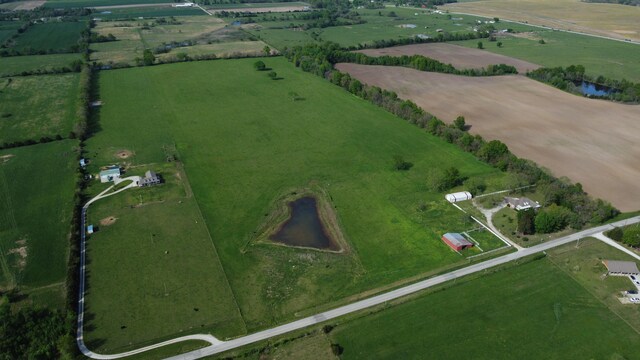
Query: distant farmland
593	142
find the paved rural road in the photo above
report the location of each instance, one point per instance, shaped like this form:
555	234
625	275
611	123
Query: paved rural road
395	294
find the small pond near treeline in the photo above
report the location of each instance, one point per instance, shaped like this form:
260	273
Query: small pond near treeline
304	227
593	89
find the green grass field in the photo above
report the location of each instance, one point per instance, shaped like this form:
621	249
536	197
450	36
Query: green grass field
330	140
53	37
60	4
37	184
28	112
611	59
531	311
159	256
146	12
13	65
8	29
379	26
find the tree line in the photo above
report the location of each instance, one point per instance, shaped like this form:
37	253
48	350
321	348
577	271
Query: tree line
570	78
629	235
318	59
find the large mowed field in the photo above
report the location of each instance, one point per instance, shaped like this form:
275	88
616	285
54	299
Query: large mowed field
535	310
50	37
37	185
592	142
244	152
29	113
613	59
618	21
458	56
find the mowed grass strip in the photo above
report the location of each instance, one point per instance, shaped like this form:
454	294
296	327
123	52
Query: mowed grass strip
532	311
35	106
50	37
153	270
61	4
245	142
37	184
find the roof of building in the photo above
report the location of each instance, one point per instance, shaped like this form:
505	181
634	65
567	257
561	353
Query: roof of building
522	202
626	267
457	239
111	171
150	174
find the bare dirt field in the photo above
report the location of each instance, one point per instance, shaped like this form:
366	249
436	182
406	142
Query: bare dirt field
123	154
617	21
29	5
594	142
458	56
110	220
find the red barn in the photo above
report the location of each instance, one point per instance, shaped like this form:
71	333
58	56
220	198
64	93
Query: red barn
456	241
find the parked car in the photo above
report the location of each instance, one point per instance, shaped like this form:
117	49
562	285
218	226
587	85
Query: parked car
635	300
632	277
631	292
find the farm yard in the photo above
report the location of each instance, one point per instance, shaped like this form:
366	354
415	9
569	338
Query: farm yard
617	21
28	113
584	145
458	56
159	235
37	184
194	35
236	182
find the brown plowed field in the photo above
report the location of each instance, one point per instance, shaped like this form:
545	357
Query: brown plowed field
458	56
594	142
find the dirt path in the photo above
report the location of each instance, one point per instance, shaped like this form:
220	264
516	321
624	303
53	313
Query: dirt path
593	142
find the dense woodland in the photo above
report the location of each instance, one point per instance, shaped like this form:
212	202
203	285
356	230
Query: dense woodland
569	79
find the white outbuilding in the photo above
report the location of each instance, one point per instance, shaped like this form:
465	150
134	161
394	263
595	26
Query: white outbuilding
459	196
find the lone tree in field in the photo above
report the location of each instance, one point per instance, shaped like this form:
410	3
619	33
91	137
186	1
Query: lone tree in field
273	75
480	45
148	58
267	50
499	44
259	65
442	180
400	164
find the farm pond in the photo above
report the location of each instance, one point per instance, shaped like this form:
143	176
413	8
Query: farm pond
304	227
593	89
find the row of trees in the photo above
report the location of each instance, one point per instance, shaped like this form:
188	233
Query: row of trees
421	63
317	59
570	78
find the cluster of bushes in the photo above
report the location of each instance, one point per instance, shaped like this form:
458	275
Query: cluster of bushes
42	140
35	333
74	66
421	63
629	235
570	78
167	47
317	59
